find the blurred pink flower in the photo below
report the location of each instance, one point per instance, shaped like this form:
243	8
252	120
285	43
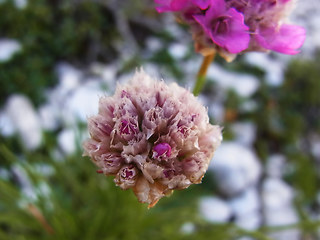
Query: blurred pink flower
225	27
230	27
152	137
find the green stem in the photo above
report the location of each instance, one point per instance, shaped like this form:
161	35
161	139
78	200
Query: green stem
201	77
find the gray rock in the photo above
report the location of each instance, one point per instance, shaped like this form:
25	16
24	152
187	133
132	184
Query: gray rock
25	120
250	221
106	72
178	50
275	166
6	125
276	194
235	168
245	132
188	228
49	116
83	102
217	111
214	210
278	210
273	68
69	77
67	141
246	203
8	47
21	4
243	84
154	44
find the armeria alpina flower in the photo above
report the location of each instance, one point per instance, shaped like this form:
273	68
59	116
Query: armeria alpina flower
230	27
152	137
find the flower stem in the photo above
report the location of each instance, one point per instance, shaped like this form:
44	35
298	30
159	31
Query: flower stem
201	77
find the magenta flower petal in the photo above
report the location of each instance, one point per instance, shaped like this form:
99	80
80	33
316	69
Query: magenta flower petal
287	40
226	28
178	5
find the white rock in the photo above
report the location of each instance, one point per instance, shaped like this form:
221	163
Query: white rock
250	221
276	165
278	207
276	194
315	146
67	141
49	117
25	120
106	72
248	106
188	228
245	132
21	4
69	77
217	111
6	125
273	67
154	44
8	47
4	174
282	217
83	102
243	84
245	203
214	209
178	50
235	168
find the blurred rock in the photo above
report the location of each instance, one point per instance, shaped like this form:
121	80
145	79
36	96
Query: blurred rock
283	217
275	166
217	111
214	210
21	4
243	84
188	228
250	221
6	125
235	168
83	102
246	203
25	120
276	194
49	117
277	199
154	44
67	141
273	68
178	50
69	77
106	72
315	145
8	47
248	106
245	132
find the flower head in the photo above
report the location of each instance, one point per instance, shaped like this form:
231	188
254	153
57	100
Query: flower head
236	26
152	137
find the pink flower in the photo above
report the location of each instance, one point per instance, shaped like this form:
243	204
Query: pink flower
178	5
225	27
236	26
286	40
151	137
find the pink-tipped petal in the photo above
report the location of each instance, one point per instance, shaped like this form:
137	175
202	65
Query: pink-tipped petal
287	40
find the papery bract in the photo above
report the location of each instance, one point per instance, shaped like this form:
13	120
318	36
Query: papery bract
152	137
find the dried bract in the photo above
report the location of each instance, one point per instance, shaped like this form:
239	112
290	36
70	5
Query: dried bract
152	137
